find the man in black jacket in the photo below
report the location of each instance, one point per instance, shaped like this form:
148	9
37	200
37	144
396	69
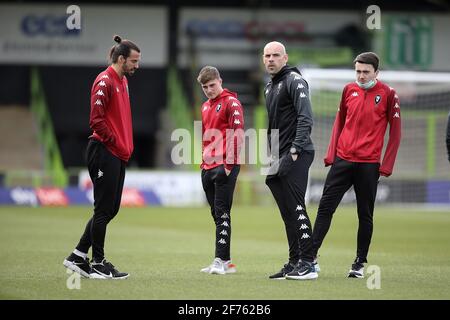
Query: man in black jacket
290	120
448	137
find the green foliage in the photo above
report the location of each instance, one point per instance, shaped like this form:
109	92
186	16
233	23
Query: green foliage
321	57
53	161
181	112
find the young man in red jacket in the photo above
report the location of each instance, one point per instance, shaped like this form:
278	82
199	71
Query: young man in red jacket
109	149
354	153
222	132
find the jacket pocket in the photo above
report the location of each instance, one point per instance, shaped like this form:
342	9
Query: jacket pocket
285	165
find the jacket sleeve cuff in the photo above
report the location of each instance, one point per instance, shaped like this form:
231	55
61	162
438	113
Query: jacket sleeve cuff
327	162
385	173
228	166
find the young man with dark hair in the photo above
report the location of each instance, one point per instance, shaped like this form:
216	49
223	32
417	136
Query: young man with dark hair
109	149
222	132
290	114
354	153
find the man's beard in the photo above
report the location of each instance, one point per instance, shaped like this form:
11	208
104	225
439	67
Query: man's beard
127	71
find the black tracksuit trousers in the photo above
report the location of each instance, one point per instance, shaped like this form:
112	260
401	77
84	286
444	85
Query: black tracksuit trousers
107	173
219	189
342	175
288	188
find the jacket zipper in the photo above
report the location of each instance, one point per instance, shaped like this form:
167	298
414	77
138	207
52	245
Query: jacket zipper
357	124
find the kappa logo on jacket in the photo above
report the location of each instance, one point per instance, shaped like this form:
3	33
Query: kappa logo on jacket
296	75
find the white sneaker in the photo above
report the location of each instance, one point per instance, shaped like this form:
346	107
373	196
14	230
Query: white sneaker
217	267
220	266
230	267
205	269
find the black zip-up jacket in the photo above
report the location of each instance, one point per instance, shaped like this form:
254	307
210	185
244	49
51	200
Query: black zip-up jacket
289	110
448	137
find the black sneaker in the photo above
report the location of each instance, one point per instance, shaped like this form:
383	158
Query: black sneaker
304	270
288	267
357	270
316	265
78	265
105	270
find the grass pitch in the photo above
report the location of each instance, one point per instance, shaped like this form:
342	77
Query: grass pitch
164	248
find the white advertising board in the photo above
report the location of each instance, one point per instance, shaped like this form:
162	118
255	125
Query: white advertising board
38	33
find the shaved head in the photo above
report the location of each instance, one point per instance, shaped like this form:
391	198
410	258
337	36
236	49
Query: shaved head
274	57
275	45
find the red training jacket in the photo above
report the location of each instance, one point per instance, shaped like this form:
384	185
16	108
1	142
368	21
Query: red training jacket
219	114
360	125
110	117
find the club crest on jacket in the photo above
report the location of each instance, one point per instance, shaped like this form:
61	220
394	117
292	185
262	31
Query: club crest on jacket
377	99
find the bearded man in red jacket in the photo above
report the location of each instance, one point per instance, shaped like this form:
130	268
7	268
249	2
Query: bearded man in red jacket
354	153
109	149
